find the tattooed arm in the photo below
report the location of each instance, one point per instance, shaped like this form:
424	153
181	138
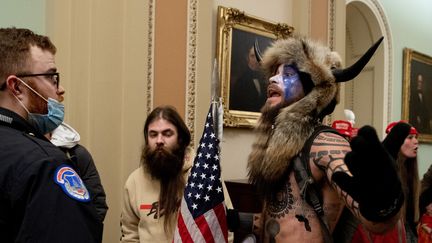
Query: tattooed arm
327	153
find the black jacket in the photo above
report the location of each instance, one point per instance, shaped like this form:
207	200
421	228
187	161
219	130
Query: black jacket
86	168
39	190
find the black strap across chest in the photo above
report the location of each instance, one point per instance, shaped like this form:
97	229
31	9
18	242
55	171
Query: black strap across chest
309	191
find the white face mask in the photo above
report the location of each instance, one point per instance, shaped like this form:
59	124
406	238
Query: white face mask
45	123
65	136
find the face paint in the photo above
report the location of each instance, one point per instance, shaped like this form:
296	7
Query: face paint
291	81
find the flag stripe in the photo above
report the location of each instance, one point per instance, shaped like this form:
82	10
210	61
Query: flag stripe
212	222
204	228
190	224
182	231
213	217
221	216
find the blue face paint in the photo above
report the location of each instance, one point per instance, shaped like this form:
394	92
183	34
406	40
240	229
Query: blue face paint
290	80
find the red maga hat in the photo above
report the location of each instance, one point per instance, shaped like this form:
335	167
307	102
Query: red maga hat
343	127
392	124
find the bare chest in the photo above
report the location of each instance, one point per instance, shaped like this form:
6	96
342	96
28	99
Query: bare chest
288	218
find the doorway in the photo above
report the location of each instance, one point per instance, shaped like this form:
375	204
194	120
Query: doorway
369	94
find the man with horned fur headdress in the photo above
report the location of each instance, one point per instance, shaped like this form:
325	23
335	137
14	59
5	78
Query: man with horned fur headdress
303	88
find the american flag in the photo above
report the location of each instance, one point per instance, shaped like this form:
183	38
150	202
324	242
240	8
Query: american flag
202	216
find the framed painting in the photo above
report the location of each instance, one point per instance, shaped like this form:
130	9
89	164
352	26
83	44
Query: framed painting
417	93
242	84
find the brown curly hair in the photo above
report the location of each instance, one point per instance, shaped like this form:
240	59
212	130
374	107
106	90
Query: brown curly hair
15	44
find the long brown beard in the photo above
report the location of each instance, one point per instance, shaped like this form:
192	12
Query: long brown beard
163	164
167	167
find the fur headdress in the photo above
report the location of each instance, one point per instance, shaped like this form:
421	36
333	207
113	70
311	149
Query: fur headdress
278	143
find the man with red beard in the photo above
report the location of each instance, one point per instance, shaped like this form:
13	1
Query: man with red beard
303	88
42	195
153	192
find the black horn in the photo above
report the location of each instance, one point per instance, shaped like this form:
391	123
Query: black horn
257	51
342	75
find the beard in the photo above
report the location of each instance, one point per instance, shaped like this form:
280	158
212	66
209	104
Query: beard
36	104
163	164
269	113
167	167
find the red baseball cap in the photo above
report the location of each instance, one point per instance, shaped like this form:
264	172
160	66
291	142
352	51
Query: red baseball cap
354	132
392	124
343	127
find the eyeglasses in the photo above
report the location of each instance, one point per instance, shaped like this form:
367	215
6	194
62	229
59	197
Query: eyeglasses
54	78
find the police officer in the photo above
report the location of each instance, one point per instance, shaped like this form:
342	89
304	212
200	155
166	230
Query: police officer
42	198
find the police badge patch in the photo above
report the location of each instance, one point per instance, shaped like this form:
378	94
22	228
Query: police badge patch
71	183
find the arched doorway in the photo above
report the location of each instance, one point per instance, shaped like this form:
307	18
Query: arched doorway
369	94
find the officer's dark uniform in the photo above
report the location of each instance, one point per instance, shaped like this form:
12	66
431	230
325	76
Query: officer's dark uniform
40	195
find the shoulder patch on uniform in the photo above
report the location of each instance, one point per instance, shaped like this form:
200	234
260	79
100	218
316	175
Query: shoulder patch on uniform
71	183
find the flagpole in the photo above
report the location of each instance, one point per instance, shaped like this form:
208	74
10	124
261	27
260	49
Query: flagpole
216	100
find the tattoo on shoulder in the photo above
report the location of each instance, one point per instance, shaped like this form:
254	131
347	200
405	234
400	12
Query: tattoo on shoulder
330	139
328	148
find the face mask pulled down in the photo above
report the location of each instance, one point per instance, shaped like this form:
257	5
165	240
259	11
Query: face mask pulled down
45	123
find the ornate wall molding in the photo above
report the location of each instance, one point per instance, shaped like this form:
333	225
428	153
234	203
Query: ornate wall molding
332	24
386	27
150	39
331	39
191	68
191	63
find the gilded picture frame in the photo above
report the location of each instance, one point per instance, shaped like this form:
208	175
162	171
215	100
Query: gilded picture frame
417	92
237	33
